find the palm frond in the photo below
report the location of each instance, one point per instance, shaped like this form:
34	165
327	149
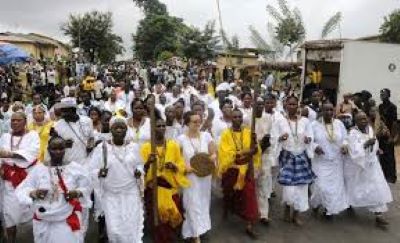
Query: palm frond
226	40
331	25
257	39
274	13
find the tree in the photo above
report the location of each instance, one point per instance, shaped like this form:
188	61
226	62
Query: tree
331	25
152	7
290	29
390	29
92	32
200	45
155	34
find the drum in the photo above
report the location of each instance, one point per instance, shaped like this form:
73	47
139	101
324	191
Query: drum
202	164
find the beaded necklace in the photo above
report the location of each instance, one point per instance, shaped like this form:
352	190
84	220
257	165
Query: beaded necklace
238	145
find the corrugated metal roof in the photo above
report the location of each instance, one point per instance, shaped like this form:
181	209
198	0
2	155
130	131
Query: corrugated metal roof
324	44
25	38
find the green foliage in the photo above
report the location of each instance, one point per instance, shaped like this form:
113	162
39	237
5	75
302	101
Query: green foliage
155	34
390	29
165	55
199	45
331	25
289	29
93	33
152	7
159	35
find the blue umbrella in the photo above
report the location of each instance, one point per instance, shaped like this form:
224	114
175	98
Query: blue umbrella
10	53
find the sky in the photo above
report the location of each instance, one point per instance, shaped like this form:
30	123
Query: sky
360	17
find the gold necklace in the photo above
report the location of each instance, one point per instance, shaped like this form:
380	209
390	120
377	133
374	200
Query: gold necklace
329	130
238	146
295	133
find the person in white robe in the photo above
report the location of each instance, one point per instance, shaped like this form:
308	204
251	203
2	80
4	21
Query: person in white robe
246	108
76	130
197	197
329	145
19	151
113	104
273	115
138	124
57	193
116	171
222	90
365	183
294	137
264	179
223	120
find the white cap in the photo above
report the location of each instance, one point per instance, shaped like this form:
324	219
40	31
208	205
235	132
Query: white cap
115	119
68	102
223	87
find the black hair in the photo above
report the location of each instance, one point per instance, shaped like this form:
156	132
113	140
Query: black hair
104	113
180	100
198	102
292	97
96	109
270	97
53	137
135	100
224	102
187	115
244	94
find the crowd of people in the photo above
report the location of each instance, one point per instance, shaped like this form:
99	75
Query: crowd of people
95	148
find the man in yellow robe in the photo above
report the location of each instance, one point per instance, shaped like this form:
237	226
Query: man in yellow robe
170	178
235	155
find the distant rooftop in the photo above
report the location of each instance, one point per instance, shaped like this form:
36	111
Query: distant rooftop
33	38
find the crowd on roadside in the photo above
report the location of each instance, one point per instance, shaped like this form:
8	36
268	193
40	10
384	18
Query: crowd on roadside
90	133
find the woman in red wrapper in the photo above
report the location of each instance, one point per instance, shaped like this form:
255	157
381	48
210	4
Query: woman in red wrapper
19	151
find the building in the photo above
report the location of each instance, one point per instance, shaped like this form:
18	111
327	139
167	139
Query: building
236	60
38	46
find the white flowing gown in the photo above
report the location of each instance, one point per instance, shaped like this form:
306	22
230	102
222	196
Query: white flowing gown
119	194
197	197
328	189
52	226
26	146
365	183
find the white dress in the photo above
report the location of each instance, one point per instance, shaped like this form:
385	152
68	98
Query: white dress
264	180
197	197
218	126
365	183
295	196
51	226
119	194
139	135
27	147
328	189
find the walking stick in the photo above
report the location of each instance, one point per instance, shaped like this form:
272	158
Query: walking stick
253	124
155	166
